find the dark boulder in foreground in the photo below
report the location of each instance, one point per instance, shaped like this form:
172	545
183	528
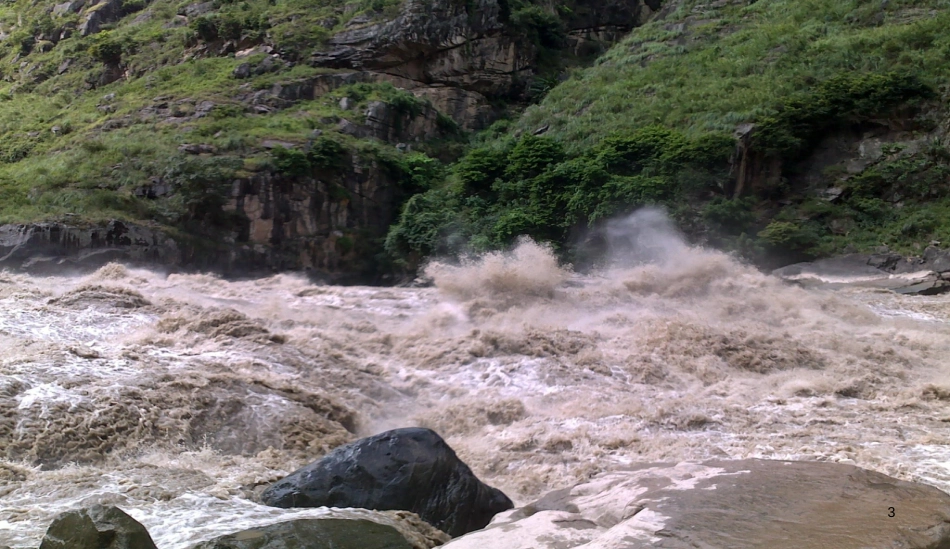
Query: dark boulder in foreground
742	504
97	527
313	534
409	469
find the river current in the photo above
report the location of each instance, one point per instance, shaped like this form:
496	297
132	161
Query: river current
180	397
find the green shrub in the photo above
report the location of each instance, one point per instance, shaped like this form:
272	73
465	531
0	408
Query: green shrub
479	169
326	154
532	155
727	216
106	49
795	125
203	183
206	27
291	162
785	235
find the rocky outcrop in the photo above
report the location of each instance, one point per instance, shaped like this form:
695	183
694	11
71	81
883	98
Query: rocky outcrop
926	275
410	469
55	247
98	527
103	12
462	54
313	534
736	504
317	224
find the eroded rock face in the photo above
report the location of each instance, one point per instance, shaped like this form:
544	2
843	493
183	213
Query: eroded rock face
469	46
98	527
410	469
926	275
737	504
53	247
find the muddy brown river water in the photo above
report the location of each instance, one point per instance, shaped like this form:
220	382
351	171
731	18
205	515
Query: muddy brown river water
179	397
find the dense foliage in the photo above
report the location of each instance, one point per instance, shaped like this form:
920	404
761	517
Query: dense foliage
653	122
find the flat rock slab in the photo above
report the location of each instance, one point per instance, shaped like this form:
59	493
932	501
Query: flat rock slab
927	275
741	504
313	534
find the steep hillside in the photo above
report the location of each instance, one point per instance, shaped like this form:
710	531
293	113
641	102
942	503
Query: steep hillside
259	133
781	129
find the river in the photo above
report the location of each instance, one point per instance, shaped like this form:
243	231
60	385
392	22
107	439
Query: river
179	397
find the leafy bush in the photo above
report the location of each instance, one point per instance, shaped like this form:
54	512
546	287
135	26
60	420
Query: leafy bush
850	98
106	49
203	184
206	27
785	235
291	162
326	154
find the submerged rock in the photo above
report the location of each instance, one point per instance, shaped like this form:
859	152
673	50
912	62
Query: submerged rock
313	534
927	275
411	469
98	527
741	504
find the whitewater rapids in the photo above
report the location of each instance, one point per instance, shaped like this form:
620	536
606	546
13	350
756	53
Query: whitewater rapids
179	398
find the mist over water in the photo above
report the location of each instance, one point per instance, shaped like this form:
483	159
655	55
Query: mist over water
180	397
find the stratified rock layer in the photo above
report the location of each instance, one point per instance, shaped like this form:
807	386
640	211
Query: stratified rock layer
409	469
736	504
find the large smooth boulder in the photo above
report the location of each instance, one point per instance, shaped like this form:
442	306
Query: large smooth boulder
313	534
742	504
97	527
410	469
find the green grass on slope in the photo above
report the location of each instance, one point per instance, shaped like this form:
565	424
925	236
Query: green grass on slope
705	69
75	147
652	123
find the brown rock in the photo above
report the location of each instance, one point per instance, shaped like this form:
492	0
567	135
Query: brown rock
742	504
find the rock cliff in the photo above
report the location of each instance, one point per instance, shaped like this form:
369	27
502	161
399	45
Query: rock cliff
383	83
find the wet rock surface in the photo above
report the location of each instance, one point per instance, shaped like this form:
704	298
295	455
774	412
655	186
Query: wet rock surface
411	469
314	534
737	504
57	247
98	527
925	275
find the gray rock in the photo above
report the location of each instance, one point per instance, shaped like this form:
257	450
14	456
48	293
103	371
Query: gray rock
98	527
204	108
409	469
313	534
345	104
68	7
194	10
197	148
242	71
747	504
268	64
273	144
44	248
105	11
349	128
